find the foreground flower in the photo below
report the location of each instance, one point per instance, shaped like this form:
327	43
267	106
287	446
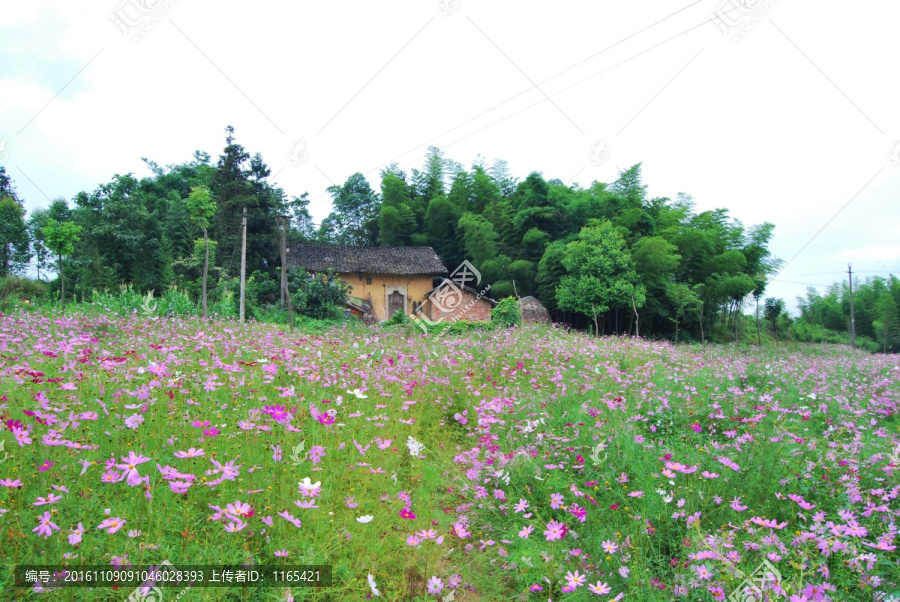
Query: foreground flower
555	530
365	519
112	524
373	586
415	447
129	467
46	526
308	488
599	589
435	585
575	580
75	535
191	453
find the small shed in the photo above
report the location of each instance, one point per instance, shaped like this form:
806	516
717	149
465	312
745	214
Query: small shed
533	310
449	302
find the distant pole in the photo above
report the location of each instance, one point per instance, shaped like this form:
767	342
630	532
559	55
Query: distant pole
284	281
283	262
852	316
243	264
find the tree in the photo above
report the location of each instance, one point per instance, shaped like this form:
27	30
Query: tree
599	274
15	250
479	238
888	322
60	238
684	299
202	208
773	309
356	211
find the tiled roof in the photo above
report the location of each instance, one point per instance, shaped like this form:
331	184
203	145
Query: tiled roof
365	260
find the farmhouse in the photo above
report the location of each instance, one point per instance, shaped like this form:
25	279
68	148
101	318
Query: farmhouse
384	279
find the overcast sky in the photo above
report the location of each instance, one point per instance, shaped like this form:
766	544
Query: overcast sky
781	111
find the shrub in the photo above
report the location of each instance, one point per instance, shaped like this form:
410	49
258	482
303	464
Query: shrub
506	312
320	296
22	288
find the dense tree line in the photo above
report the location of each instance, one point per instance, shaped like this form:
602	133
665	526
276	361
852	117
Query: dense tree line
826	317
606	256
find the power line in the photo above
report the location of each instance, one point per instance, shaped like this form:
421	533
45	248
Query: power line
827	223
655	46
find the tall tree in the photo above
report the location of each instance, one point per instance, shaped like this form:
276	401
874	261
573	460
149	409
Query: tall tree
60	238
202	208
773	310
15	249
355	213
599	274
887	324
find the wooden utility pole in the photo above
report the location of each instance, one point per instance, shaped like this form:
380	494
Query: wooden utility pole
285	292
243	264
852	316
637	319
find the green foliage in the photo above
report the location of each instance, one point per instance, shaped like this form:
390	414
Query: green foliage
506	312
398	319
599	273
60	237
319	296
200	205
142	231
15	250
355	218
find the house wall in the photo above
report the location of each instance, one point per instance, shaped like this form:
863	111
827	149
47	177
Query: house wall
478	311
415	288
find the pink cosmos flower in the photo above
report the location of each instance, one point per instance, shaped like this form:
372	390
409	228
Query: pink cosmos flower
129	466
599	589
459	528
435	585
555	530
294	521
316	453
46	526
112	524
47	465
406	513
21	436
575	580
190	453
50	499
179	487
75	535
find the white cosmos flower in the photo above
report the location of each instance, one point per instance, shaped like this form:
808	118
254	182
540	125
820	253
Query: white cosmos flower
374	586
365	519
358	393
308	485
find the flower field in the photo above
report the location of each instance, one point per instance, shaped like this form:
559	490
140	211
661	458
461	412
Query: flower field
528	464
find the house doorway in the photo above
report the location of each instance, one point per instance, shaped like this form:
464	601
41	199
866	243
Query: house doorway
395	302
